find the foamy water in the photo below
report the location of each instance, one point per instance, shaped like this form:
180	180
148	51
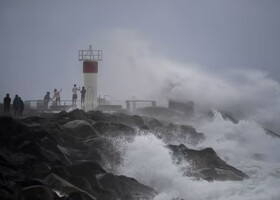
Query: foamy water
243	145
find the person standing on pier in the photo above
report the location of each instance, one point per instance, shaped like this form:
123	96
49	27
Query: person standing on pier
16	105
7	103
75	94
83	95
20	107
56	96
47	98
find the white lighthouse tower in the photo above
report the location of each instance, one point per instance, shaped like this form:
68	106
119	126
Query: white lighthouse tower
90	60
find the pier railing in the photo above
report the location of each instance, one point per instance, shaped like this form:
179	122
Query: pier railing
102	104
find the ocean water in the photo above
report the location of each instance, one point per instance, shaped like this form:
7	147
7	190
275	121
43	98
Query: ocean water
244	146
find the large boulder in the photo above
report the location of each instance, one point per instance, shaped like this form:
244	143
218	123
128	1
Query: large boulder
100	116
133	121
125	187
64	117
32	140
83	174
114	129
65	188
81	128
204	164
9	128
121	118
154	123
174	134
108	152
38	192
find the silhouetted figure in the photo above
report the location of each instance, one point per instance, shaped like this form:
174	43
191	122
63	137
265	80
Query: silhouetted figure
20	107
47	98
83	95
7	104
75	94
16	104
56	96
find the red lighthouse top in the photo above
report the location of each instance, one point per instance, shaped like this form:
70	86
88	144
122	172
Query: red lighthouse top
90	55
90	67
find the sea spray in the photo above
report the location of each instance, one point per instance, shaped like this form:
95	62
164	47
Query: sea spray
242	142
244	145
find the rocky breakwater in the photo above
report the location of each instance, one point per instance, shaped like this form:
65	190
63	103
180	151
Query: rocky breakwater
63	157
73	156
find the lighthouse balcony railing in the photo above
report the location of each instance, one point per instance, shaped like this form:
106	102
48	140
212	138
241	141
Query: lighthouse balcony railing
92	55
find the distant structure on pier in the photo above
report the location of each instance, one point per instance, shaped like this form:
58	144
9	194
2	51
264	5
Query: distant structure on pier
90	60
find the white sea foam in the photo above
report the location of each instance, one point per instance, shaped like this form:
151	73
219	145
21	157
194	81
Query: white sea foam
243	145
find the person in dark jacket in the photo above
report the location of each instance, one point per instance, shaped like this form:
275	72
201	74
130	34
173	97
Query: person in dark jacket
7	104
47	98
20	107
83	95
16	103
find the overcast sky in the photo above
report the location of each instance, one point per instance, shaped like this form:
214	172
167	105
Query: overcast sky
229	49
40	39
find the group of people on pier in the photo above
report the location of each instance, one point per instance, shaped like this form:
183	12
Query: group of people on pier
18	105
56	96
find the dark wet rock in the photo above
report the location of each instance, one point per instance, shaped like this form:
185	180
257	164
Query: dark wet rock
120	118
108	152
80	196
9	128
204	164
133	121
126	188
38	192
64	117
114	129
63	187
154	123
31	182
39	143
83	175
81	128
99	116
85	168
173	134
13	160
34	120
10	173
10	190
32	140
66	159
188	133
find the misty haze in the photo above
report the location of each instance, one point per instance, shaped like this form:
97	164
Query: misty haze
130	100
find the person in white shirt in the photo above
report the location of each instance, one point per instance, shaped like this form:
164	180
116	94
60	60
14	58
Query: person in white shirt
75	94
56	96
